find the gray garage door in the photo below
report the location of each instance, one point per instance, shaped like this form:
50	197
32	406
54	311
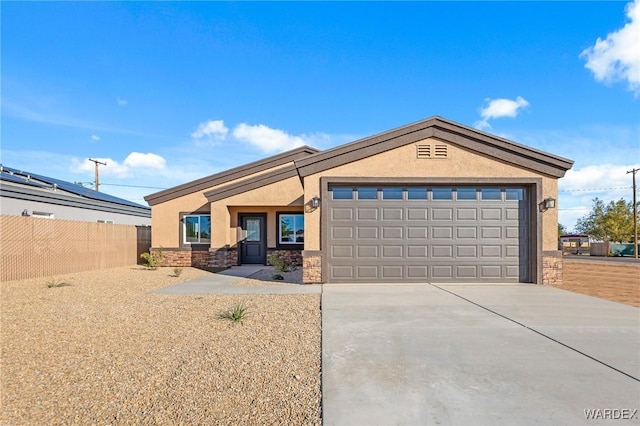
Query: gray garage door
435	234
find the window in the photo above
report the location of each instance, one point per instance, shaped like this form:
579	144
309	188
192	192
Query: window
490	193
441	194
341	193
466	193
367	193
291	229
197	229
515	194
392	193
417	193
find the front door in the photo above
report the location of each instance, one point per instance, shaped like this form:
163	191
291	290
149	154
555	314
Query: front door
253	248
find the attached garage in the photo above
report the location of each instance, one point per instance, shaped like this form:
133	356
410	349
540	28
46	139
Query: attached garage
417	233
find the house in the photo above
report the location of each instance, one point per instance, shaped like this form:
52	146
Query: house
27	194
432	201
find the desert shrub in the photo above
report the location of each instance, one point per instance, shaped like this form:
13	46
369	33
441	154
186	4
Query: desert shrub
177	271
235	314
281	262
53	283
153	259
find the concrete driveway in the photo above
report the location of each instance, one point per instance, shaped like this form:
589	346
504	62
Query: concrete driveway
477	355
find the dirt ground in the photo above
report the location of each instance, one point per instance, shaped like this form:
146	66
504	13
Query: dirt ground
104	350
617	282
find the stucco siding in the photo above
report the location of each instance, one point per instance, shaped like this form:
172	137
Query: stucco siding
403	162
166	216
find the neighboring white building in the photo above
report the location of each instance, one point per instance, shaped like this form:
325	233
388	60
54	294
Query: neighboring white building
26	194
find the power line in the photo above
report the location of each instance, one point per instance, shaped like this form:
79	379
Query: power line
594	189
133	186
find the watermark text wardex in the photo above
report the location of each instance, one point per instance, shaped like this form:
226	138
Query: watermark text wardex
610	413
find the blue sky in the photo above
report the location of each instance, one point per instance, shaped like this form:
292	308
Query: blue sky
170	92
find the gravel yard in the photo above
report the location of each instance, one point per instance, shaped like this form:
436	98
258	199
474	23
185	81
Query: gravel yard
103	350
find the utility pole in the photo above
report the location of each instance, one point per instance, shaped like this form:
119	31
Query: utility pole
104	164
635	215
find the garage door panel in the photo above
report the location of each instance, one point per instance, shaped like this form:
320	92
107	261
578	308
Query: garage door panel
466	214
466	271
341	213
489	232
442	232
493	214
442	252
392	272
442	271
417	251
368	272
470	232
367	232
392	213
414	232
392	252
417	214
367	251
342	252
342	232
442	213
417	272
443	240
466	251
392	232
367	213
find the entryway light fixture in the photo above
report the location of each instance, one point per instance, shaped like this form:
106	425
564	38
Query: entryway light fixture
547	203
315	202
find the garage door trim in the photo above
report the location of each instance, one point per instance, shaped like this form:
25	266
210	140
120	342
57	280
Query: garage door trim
534	186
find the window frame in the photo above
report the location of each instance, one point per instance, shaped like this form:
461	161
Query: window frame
184	241
288	245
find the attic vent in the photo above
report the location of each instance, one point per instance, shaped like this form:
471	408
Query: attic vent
424	151
432	151
440	151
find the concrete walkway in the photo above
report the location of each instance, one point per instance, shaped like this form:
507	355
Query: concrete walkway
476	355
222	283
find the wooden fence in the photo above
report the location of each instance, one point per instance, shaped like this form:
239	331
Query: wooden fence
34	247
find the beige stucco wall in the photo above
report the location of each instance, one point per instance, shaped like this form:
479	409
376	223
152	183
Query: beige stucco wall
286	195
402	162
165	218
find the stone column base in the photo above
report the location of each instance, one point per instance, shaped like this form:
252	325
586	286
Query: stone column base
552	267
312	267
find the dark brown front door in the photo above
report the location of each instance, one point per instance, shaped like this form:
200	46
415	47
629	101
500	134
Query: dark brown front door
253	248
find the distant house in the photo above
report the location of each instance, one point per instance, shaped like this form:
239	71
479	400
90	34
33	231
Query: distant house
27	194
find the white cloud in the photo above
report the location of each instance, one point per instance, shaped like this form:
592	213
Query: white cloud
497	108
212	129
122	102
617	57
95	138
134	162
145	161
266	138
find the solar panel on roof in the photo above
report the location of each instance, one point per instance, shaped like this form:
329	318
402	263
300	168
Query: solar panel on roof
66	186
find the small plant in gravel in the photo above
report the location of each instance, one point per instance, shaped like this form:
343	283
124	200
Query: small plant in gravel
236	314
153	259
53	283
281	261
177	272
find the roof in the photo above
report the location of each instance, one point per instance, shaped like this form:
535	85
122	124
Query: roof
440	128
229	175
35	181
307	160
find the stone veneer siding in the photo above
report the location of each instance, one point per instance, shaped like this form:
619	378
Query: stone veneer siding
552	268
293	257
223	257
312	267
182	257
